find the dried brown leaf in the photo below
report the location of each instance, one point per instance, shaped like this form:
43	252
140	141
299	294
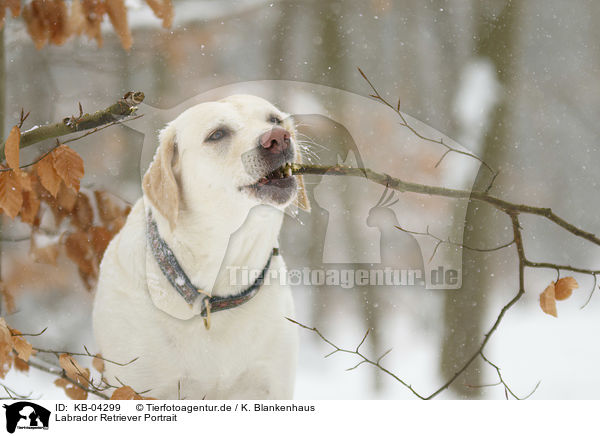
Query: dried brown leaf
9	298
23	348
82	215
93	12
88	279
48	176
68	165
111	214
80	250
11	198
107	208
25	179
66	199
548	300
125	393
98	363
35	20
11	148
73	370
117	12
6	345
15	7
21	365
27	277
76	373
47	254
31	206
564	288
56	15
119	223
100	239
73	391
63	204
76	21
163	9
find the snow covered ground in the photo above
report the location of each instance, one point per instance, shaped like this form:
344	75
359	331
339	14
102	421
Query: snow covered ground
529	346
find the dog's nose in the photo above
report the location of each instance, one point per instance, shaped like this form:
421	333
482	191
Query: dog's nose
276	140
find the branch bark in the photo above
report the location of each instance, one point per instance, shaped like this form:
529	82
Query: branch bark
123	108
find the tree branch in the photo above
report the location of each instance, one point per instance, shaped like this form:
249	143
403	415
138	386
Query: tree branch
61	373
403	186
123	108
511	209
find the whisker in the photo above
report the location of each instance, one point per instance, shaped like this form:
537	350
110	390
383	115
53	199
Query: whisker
311	142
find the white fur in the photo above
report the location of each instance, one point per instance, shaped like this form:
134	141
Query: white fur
250	351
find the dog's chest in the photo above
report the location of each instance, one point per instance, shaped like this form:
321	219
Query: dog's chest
249	352
237	358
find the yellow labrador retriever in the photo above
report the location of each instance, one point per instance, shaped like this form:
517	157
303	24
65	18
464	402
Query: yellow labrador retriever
167	295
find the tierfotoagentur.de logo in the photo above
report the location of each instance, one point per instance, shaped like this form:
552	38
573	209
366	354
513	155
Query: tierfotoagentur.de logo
26	415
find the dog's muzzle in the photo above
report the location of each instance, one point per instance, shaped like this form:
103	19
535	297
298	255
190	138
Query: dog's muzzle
269	165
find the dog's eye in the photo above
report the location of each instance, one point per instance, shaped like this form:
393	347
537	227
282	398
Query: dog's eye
275	119
216	135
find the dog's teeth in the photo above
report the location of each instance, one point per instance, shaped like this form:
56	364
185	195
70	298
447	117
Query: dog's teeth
288	171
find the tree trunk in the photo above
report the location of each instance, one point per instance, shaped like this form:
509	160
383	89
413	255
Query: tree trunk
464	310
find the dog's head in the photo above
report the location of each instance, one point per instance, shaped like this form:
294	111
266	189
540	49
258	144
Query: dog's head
234	153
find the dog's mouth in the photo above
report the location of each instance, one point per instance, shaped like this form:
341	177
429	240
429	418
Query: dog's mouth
281	173
277	187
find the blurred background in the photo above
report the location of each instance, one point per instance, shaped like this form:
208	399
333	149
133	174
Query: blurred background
517	83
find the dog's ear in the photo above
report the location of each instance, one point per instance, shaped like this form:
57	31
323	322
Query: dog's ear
159	183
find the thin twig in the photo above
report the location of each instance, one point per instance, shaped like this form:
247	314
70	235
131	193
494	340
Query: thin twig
23	117
556	266
441	241
13	395
29	334
591	293
357	352
86	354
503	382
449	149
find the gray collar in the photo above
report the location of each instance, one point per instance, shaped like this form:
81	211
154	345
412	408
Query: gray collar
174	273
